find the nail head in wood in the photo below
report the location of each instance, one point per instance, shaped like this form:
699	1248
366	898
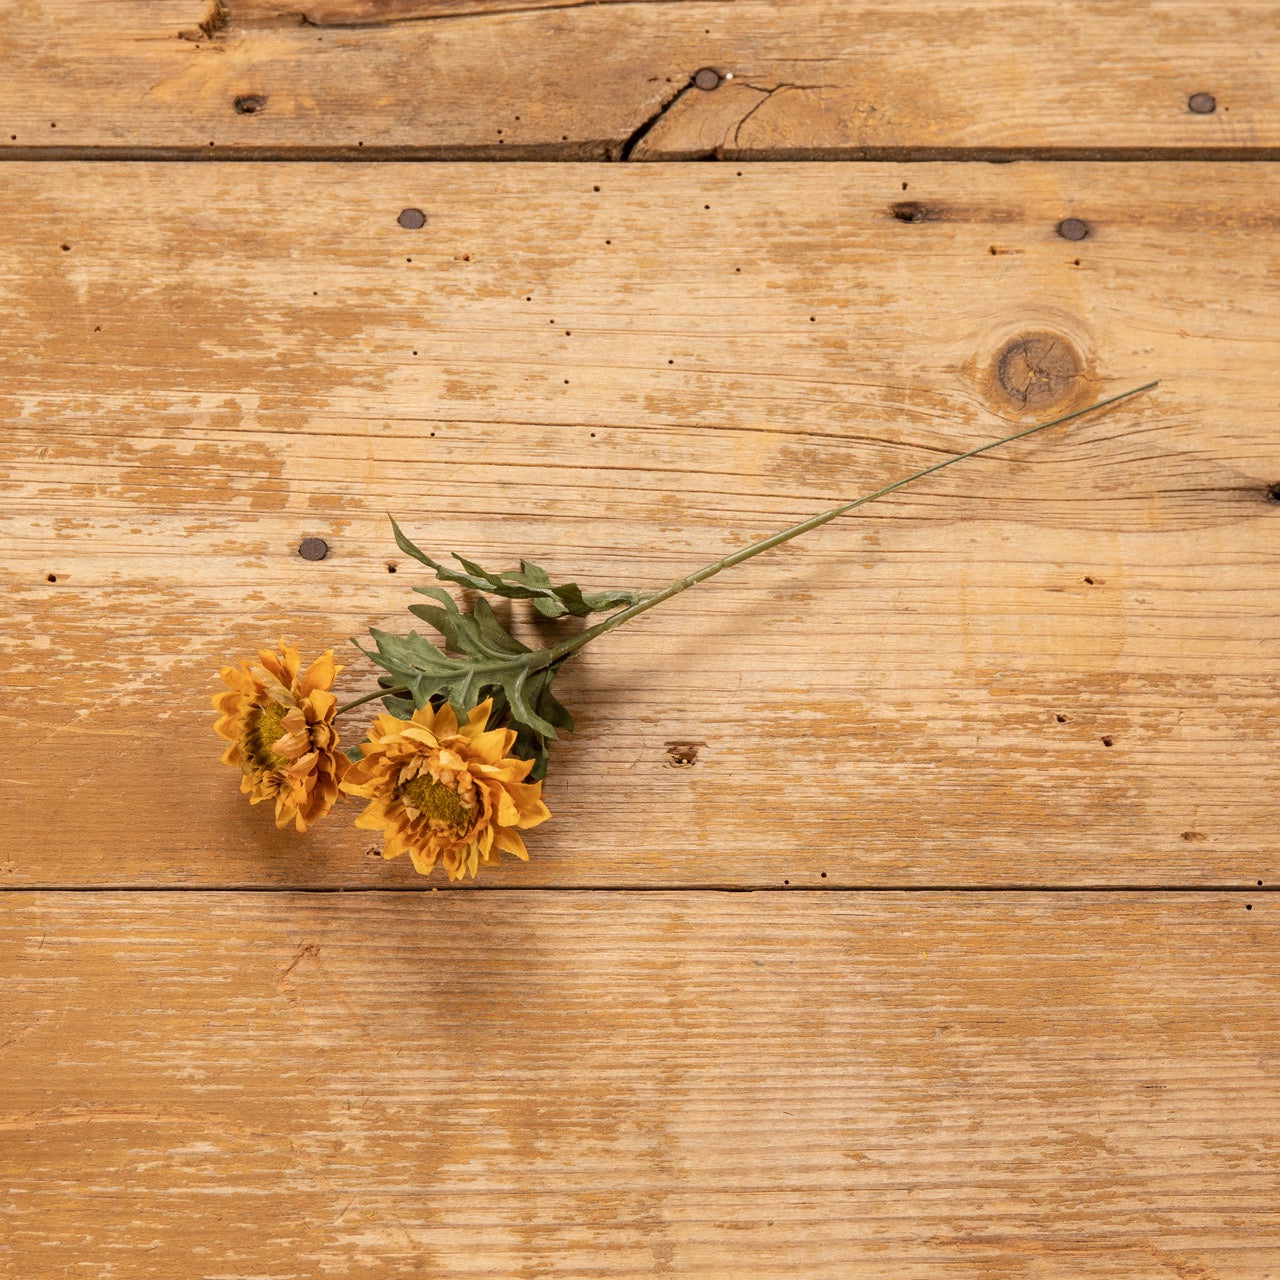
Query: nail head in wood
249	104
313	549
1073	229
1203	104
412	219
708	78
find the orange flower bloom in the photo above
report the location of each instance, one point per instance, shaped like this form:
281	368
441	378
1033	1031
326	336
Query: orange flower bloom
440	790
280	726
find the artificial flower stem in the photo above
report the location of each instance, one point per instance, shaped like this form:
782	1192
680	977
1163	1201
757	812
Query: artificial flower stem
401	692
766	544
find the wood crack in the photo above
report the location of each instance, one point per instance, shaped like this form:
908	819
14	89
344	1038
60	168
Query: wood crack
639	134
769	93
260	16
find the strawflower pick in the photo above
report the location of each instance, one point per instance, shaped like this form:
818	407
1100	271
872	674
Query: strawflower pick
452	771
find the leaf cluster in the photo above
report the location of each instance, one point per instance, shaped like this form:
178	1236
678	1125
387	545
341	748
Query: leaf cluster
529	582
478	658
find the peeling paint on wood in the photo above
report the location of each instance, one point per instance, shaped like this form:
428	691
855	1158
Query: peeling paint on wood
227	364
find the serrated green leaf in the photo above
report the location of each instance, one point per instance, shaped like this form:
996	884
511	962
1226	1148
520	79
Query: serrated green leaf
492	632
529	582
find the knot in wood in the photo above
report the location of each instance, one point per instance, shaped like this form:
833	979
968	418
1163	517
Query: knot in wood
1038	370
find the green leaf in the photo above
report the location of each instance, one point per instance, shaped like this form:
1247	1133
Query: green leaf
529	582
484	661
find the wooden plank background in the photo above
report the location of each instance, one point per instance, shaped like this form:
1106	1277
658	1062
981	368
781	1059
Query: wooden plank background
1021	672
614	1084
506	79
995	758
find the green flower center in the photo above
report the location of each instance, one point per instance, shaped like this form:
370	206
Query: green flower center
436	801
266	729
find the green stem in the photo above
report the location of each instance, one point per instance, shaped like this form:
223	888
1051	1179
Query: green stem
400	692
567	647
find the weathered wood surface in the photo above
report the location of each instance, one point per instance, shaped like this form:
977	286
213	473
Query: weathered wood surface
611	1084
508	79
1051	665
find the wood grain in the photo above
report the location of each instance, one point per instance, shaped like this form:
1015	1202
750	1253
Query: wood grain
1054	665
511	79
610	1085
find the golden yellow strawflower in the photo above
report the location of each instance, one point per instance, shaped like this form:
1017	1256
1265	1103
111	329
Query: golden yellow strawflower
440	790
283	739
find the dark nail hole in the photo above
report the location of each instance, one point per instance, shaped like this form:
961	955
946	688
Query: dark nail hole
824	875
1202	104
249	104
1061	719
786	882
412	219
1107	742
313	549
993	251
66	248
1274	492
1248	906
595	188
1073	229
1259	884
707	79
909	211
1089	581
391	568
53	577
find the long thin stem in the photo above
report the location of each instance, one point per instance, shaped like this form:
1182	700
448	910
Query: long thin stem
400	692
571	645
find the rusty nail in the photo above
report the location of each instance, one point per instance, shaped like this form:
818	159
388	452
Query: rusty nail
1073	229
1203	104
708	78
412	219
313	549
249	104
